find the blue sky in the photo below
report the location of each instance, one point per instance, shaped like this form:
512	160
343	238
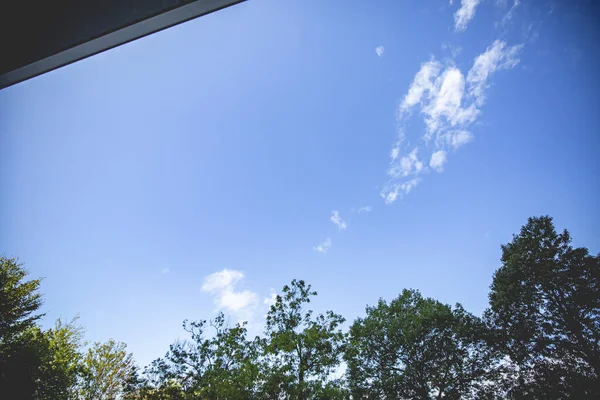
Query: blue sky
205	166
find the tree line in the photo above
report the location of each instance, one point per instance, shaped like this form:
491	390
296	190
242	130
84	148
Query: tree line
538	339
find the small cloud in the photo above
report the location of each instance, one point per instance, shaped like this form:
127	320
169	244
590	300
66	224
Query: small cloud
422	83
465	13
508	17
406	166
394	153
323	247
458	138
337	220
165	271
438	159
495	57
364	209
393	191
221	285
269	301
454	51
379	51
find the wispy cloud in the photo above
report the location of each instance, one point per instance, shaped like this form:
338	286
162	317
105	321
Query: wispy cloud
270	300
438	159
458	138
422	83
465	13
497	56
364	209
222	286
448	104
454	50
379	51
165	271
323	247
337	220
508	16
407	165
392	191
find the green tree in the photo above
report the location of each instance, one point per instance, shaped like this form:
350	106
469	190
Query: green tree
44	365
219	367
300	351
107	368
149	387
61	366
418	348
19	302
545	306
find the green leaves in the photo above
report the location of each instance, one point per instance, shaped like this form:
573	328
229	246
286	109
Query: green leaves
221	366
106	370
19	301
540	339
307	349
33	363
416	347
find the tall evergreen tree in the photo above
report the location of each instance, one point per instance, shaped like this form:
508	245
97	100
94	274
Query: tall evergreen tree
545	307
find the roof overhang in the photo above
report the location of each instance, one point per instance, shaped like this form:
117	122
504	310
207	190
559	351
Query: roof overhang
38	36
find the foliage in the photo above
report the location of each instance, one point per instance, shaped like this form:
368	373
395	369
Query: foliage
221	366
305	349
417	348
33	363
540	339
19	301
545	306
106	370
45	365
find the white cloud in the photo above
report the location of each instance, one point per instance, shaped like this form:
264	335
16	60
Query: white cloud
392	191
379	51
323	247
409	185
448	105
422	83
406	166
221	285
465	13
438	159
497	56
454	50
455	139
365	209
269	301
446	102
458	138
337	220
165	271
221	280
506	19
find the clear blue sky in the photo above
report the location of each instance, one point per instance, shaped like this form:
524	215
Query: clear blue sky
227	142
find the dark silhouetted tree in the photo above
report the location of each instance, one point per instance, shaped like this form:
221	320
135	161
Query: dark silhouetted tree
545	307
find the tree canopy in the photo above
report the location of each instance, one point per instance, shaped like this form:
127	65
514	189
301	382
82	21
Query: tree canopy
417	348
545	308
538	339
